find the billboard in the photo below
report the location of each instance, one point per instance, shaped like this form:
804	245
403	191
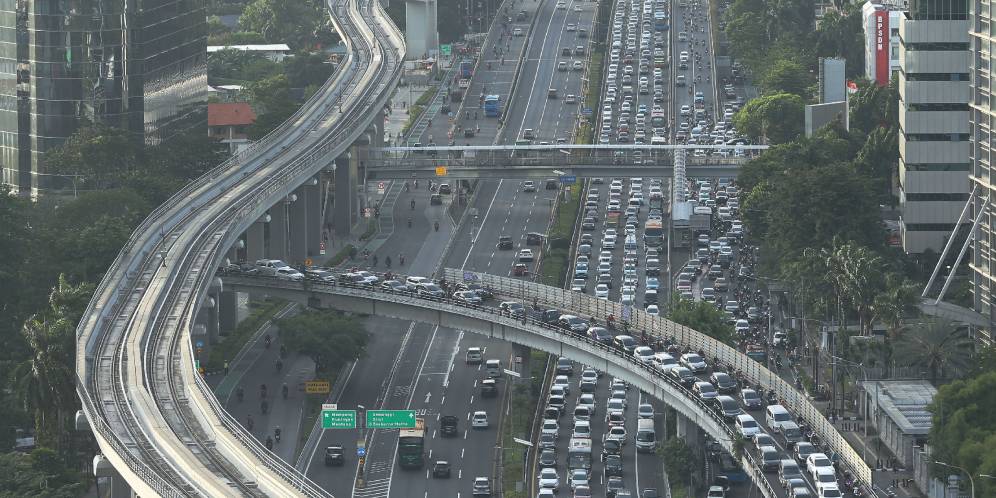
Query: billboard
882	47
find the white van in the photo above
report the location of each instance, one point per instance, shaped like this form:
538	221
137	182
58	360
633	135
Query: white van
646	438
630	244
493	368
775	416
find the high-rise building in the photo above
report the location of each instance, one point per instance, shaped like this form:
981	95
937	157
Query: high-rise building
933	122
983	122
881	26
138	65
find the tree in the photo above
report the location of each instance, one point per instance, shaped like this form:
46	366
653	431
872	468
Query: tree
47	383
873	106
839	34
896	301
329	338
271	100
878	157
40	473
306	69
701	316
787	76
939	346
963	429
101	155
775	118
678	459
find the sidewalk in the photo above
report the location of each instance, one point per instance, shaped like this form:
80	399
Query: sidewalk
851	426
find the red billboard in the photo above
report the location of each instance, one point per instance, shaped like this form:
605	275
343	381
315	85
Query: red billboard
882	44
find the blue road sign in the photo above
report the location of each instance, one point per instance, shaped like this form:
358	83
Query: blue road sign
361	452
568	179
587	111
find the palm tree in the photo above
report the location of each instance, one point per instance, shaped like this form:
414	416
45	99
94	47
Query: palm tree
942	347
46	381
895	302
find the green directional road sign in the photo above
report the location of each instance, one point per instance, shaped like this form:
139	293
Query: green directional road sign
445	49
390	419
338	419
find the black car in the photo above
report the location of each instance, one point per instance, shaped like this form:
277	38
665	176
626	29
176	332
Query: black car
613	465
436	200
534	239
613	485
505	242
550	316
610	447
723	382
441	469
489	389
448	425
548	458
649	493
334	455
684	376
752	400
444	188
551	184
482	291
600	334
726	407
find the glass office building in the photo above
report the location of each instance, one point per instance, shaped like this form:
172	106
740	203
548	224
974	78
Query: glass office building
983	121
138	65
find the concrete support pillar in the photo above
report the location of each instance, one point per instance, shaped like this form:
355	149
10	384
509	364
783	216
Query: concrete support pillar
305	223
256	240
683	426
109	480
278	237
236	253
228	311
344	204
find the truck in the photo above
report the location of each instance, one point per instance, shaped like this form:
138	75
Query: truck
653	233
701	220
492	106
612	220
466	69
681	224
579	454
411	446
456	94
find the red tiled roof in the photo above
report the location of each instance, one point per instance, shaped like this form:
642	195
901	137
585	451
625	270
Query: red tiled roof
228	114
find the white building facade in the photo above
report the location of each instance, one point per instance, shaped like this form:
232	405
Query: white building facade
881	26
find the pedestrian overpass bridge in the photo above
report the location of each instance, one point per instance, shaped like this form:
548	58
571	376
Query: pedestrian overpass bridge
545	161
491	322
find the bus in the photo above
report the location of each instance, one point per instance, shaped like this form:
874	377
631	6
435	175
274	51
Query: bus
658	119
653	233
411	446
579	454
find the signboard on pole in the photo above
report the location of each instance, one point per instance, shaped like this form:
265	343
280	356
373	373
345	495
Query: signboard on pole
568	179
317	387
390	419
321	248
445	49
338	419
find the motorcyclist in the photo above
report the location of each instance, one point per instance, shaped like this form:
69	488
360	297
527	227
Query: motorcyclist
409	222
240	393
264	407
284	390
279	364
249	422
276	433
269	443
387	261
262	391
436	225
266	341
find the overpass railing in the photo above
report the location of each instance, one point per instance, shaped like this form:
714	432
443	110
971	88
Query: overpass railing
535	326
586	306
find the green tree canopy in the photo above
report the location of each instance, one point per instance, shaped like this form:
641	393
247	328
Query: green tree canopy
101	155
778	118
787	76
840	35
327	337
678	460
939	347
963	431
299	23
40	473
701	316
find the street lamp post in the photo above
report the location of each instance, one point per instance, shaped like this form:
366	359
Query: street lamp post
970	479
864	371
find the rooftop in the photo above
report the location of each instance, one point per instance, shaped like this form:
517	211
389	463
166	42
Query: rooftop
229	114
905	402
272	47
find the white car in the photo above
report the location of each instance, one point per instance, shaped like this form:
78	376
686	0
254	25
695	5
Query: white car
562	380
550	426
587	399
525	255
548	479
653	310
616	432
825	478
643	353
602	291
479	420
615	405
620	395
693	362
579	477
561	5
665	361
645	410
747	426
582	429
817	461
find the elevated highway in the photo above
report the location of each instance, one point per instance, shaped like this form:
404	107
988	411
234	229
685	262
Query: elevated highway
157	423
539	161
530	332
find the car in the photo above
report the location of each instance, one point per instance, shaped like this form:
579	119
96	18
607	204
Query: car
517	32
547	441
693	362
528	186
683	376
723	382
613	485
601	335
475	355
769	457
802	451
788	470
481	487
704	390
578	477
525	255
562	381
582	491
550	426
335	456
549	479
824	477
645	410
479	420
613	465
727	407
448	425
653	310
588	400
573	323
513	308
548	458
394	286
441	469
582	430
616	432
716	492
644	353
649	493
469	297
817	461
751	399
762	439
747	426
588	376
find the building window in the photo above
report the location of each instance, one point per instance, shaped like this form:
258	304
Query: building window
937	107
936	197
929	227
937	137
939	167
938	10
936	46
936	76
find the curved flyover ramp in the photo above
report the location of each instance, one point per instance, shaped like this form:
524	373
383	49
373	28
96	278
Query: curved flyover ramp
155	419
